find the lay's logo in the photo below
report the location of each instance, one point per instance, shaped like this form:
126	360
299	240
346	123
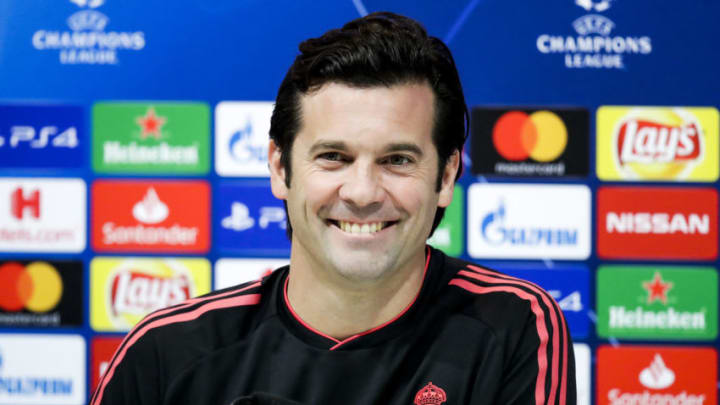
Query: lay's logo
135	292
657	143
124	290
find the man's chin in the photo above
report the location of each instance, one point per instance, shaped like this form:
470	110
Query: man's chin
363	266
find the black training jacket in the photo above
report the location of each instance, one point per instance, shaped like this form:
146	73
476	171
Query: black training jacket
472	336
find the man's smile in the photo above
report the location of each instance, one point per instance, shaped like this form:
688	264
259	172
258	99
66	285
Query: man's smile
361	228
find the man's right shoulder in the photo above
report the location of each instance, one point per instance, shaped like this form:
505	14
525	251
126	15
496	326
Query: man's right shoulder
169	339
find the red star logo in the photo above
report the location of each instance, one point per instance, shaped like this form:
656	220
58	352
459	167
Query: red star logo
657	288
151	124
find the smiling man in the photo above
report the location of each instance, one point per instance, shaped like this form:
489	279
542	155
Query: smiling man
367	134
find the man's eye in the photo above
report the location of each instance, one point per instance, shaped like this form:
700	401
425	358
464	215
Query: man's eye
332	156
399	160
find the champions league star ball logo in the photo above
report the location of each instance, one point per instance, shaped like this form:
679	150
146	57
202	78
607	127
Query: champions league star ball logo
594	5
430	395
88	3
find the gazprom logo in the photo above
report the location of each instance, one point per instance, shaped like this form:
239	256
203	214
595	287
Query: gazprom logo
242	148
496	232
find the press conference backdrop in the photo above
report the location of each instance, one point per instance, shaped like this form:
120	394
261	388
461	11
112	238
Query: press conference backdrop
133	174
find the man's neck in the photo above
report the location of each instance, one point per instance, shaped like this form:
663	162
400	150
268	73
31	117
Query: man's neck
343	308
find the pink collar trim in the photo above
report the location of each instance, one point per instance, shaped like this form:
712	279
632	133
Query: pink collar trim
339	342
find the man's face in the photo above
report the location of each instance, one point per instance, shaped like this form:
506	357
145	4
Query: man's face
363	192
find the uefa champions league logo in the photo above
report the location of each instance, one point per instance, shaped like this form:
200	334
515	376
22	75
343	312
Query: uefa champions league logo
88	3
594	5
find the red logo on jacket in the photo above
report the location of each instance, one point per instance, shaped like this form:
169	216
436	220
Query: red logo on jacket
430	395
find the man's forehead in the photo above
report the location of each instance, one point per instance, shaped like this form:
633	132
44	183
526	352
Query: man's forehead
341	95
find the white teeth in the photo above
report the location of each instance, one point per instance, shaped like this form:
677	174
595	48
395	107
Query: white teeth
364	228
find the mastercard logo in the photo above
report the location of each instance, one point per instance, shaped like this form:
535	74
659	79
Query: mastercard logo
541	136
36	287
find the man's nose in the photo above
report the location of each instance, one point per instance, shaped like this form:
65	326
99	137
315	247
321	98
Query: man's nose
362	185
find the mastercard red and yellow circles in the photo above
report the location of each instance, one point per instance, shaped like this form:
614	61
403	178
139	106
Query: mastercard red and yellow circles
541	136
36	287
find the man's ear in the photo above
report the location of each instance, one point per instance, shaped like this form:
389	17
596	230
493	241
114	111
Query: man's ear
447	184
277	172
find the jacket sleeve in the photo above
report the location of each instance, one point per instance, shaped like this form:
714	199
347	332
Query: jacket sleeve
133	376
541	366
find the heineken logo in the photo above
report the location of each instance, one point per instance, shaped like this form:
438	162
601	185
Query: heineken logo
659	302
157	138
657	289
150	124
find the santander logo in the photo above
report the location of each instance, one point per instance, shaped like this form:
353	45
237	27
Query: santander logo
165	216
150	210
657	375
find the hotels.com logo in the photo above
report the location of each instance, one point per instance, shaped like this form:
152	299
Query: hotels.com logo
42	215
143	216
656	375
657	223
22	203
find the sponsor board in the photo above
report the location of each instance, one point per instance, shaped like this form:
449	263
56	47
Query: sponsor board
597	43
42	215
101	352
448	236
91	39
38	369
42	136
656	375
151	216
657	143
230	272
568	284
250	219
583	361
657	302
154	138
530	142
242	135
657	223
523	221
124	290
41	293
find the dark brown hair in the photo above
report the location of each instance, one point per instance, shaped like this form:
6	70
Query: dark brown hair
380	49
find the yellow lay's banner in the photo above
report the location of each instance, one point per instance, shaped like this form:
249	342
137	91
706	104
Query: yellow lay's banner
657	143
124	289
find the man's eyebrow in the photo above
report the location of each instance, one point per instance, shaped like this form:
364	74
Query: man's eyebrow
405	147
324	145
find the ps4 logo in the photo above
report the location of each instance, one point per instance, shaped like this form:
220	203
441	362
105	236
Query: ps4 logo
571	302
242	147
39	139
241	220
